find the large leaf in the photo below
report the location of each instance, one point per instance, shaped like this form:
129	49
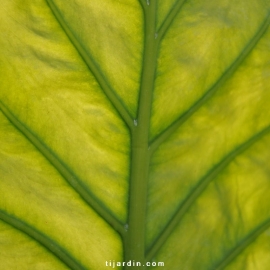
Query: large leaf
135	130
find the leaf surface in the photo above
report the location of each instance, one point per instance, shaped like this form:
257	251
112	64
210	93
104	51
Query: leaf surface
134	130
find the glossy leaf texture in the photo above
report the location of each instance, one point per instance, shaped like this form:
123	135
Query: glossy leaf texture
126	119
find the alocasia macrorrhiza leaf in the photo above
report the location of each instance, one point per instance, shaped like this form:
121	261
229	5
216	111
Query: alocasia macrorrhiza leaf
137	131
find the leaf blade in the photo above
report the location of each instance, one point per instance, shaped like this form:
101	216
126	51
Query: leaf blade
161	81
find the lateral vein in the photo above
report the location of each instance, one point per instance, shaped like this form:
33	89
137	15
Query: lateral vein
66	173
224	77
92	66
53	247
198	190
169	19
242	245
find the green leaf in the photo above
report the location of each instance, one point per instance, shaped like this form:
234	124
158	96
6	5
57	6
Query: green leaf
134	130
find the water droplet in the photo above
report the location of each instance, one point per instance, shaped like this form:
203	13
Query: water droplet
126	227
135	122
148	2
156	35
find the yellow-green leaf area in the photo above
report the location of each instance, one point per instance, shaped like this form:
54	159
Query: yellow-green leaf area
164	8
27	252
68	105
213	131
232	221
194	54
119	58
47	203
134	134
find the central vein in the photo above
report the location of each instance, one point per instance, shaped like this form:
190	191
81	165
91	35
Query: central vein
140	155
